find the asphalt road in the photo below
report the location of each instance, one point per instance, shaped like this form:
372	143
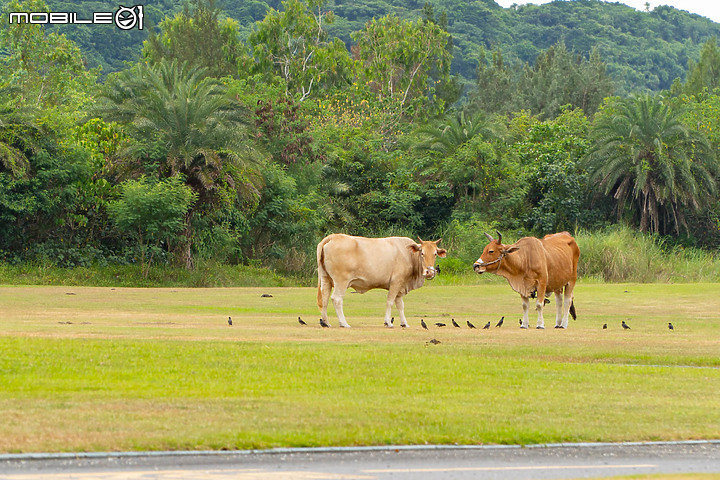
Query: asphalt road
396	463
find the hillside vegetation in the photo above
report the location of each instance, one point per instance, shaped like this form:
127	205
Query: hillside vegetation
643	50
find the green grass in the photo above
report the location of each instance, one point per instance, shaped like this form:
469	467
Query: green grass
124	369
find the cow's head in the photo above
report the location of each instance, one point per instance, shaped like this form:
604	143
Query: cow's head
428	250
492	255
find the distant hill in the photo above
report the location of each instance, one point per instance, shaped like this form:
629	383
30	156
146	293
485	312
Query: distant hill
643	50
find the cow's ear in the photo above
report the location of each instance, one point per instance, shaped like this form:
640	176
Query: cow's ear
414	247
511	250
441	252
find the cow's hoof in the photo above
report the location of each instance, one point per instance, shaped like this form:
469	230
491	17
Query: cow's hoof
539	328
523	327
345	326
388	325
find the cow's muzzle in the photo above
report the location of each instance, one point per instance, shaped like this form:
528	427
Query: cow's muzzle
478	267
429	273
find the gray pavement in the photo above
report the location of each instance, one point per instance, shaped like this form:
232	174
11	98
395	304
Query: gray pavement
381	463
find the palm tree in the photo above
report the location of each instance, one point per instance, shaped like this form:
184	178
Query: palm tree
642	155
449	135
186	123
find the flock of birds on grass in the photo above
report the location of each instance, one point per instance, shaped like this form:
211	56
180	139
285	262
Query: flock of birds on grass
424	325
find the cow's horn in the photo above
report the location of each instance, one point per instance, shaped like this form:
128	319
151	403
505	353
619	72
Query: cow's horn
438	241
421	240
499	236
490	239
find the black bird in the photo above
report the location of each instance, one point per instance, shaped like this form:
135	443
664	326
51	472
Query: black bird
670	326
604	326
454	323
301	321
230	321
434	341
392	321
520	321
547	301
625	325
440	324
470	324
324	324
266	295
499	324
487	325
424	325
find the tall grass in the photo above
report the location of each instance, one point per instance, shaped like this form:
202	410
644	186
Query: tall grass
620	254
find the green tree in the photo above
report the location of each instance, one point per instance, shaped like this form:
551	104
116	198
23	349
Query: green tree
396	60
495	85
184	123
47	68
17	130
704	74
294	45
152	212
200	37
557	194
560	78
645	158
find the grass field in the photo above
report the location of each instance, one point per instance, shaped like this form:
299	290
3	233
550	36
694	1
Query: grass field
100	369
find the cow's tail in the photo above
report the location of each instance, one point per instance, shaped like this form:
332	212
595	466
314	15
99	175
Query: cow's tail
322	273
572	309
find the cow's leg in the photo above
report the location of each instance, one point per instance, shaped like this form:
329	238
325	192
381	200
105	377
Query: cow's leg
526	307
539	306
569	293
392	297
337	298
325	291
559	309
400	304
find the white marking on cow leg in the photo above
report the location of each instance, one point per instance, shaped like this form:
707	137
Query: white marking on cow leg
559	310
337	298
539	306
526	307
400	304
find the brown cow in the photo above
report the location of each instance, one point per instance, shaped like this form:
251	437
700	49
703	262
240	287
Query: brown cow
396	264
530	266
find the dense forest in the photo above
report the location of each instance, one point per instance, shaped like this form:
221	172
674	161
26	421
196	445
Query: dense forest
243	133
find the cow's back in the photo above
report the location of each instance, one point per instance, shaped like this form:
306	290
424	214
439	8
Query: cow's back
562	253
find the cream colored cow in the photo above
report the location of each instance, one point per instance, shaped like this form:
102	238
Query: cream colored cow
396	264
